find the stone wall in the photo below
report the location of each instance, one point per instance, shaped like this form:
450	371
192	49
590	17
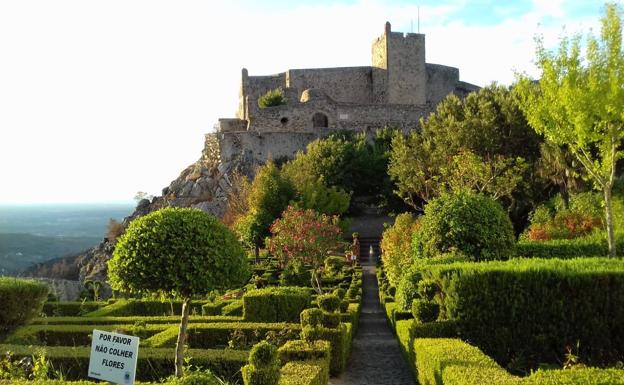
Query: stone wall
346	84
441	81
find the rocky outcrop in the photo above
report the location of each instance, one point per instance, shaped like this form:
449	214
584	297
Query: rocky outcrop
204	185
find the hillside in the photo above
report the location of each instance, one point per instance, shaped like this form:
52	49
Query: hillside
20	251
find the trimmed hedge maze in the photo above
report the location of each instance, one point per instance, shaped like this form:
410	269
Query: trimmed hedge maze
520	316
220	333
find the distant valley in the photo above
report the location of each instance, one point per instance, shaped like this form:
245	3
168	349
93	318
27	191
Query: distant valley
35	234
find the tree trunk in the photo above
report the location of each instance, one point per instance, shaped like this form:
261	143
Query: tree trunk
179	354
257	254
609	219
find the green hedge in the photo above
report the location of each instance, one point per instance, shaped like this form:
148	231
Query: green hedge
204	336
301	350
20	301
71	308
234	308
275	304
304	373
442	361
340	341
130	320
74	335
152	365
533	308
61	382
132	307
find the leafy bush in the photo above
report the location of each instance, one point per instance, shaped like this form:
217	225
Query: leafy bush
20	301
547	305
312	317
425	311
396	252
263	367
305	373
334	264
470	223
328	302
275	304
340	340
272	98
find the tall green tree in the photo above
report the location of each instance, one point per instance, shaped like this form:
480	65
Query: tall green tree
270	193
181	252
578	102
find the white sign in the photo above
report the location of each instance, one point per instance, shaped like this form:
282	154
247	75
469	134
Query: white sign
113	357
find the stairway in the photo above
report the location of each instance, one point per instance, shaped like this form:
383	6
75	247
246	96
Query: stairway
365	245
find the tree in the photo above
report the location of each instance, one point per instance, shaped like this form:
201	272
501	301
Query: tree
305	236
269	195
177	251
578	103
396	247
481	142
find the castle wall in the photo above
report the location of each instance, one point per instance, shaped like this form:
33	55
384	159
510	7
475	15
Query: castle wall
441	81
347	84
380	68
250	149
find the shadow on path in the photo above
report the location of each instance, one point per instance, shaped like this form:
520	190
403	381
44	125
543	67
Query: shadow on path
376	357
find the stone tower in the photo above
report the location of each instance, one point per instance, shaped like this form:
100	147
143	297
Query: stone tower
399	68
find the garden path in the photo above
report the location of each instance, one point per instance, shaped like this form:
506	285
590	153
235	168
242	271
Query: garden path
376	357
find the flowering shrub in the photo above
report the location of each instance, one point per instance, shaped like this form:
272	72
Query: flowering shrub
567	224
396	246
305	236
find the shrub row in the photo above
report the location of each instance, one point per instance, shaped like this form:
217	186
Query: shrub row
71	308
204	336
152	365
546	305
130	320
590	246
311	353
20	301
275	304
132	307
442	361
75	335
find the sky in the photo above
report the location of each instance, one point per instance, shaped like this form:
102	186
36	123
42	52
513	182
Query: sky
102	99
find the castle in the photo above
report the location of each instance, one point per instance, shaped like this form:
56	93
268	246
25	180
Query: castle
396	91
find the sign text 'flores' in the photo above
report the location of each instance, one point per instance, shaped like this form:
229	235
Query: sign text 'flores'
113	357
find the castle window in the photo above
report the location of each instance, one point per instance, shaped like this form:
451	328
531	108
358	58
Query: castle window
319	120
284	120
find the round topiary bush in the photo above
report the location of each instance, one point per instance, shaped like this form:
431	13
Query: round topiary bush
312	317
340	292
425	311
328	302
333	264
263	354
473	224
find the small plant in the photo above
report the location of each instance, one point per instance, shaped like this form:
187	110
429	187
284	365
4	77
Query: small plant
272	98
425	311
263	367
572	359
279	338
